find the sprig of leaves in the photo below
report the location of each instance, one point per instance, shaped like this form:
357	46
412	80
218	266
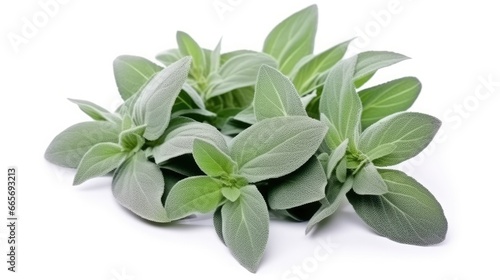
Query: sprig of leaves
243	133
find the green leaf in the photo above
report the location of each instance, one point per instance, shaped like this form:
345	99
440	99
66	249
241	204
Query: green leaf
154	104
131	139
211	159
231	193
293	38
275	95
189	47
245	227
372	61
200	194
138	185
218	223
215	58
340	104
132	73
381	151
389	98
305	185
69	146
368	181
169	56
95	111
276	147
240	71
408	213
246	115
179	141
335	193
341	171
409	132
99	160
336	156
307	75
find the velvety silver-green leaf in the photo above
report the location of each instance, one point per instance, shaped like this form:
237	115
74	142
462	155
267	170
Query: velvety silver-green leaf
381	151
276	147
341	170
212	160
305	185
189	47
95	111
408	213
215	58
275	95
240	71
307	75
131	139
169	56
245	227
293	38
199	194
179	141
132	73
246	115
336	156
341	105
389	98
69	146
138	185
410	132
368	181
231	193
335	193
99	160
217	219
154	104
372	61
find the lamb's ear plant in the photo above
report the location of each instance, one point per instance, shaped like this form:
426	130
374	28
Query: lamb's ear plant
244	133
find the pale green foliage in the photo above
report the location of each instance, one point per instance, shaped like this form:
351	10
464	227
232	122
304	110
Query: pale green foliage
242	133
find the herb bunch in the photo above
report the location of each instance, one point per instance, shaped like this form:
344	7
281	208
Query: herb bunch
245	134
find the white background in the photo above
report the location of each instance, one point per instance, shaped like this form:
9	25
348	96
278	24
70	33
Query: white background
68	232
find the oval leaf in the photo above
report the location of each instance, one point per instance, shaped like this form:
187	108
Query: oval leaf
408	213
211	159
293	38
372	61
99	160
275	95
341	105
276	147
409	132
154	104
132	73
368	181
389	98
199	194
69	146
138	185
245	227
305	185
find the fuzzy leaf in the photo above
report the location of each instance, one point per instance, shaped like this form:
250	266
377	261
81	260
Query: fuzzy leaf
138	185
389	98
409	132
154	104
408	213
199	194
69	146
305	185
293	38
275	95
99	160
276	147
132	73
95	111
369	182
341	106
372	61
308	73
245	227
211	159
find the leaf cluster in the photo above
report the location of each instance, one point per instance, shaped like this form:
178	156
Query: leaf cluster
245	134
